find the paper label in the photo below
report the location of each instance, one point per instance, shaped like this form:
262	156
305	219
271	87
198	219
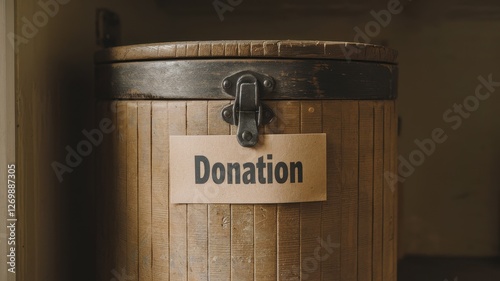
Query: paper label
285	168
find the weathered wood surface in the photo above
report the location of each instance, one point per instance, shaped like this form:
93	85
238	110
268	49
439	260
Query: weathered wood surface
246	49
317	79
351	236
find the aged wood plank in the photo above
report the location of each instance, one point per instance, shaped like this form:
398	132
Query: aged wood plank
231	49
242	239
219	215
265	239
102	217
365	202
145	193
331	218
310	213
395	186
178	212
160	194
259	48
349	191
389	257
288	215
121	187
378	177
132	195
113	198
109	161
197	218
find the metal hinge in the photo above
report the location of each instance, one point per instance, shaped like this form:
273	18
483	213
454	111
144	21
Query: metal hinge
247	112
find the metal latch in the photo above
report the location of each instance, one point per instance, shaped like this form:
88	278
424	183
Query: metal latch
247	112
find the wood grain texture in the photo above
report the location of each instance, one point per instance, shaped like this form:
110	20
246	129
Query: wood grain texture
160	195
113	208
288	215
102	228
242	242
121	189
242	239
378	190
331	224
106	191
178	212
389	197
145	193
349	243
310	213
219	215
258	242
246	49
197	218
132	192
365	202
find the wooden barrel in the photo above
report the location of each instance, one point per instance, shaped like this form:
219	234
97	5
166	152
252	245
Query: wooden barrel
150	92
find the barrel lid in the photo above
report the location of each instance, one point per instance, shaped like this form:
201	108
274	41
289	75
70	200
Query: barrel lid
287	49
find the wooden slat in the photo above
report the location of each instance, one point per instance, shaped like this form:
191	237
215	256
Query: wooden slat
132	195
349	191
265	217
288	215
102	216
108	188
378	172
178	212
242	248
197	214
365	202
395	187
113	199
121	187
332	219
242	239
144	177
389	257
310	213
219	215
160	194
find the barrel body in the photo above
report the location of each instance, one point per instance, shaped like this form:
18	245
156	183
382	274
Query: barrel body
350	236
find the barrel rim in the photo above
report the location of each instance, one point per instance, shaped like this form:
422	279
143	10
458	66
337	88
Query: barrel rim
278	49
202	79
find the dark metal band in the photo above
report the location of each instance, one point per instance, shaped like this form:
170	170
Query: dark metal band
202	79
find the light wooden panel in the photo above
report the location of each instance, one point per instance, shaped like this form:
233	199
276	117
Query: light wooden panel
160	201
242	240
310	213
197	214
145	191
132	192
288	215
178	213
219	215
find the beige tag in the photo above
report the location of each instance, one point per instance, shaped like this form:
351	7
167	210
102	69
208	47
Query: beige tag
279	169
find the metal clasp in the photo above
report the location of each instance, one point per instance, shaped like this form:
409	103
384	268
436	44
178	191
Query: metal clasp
247	112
